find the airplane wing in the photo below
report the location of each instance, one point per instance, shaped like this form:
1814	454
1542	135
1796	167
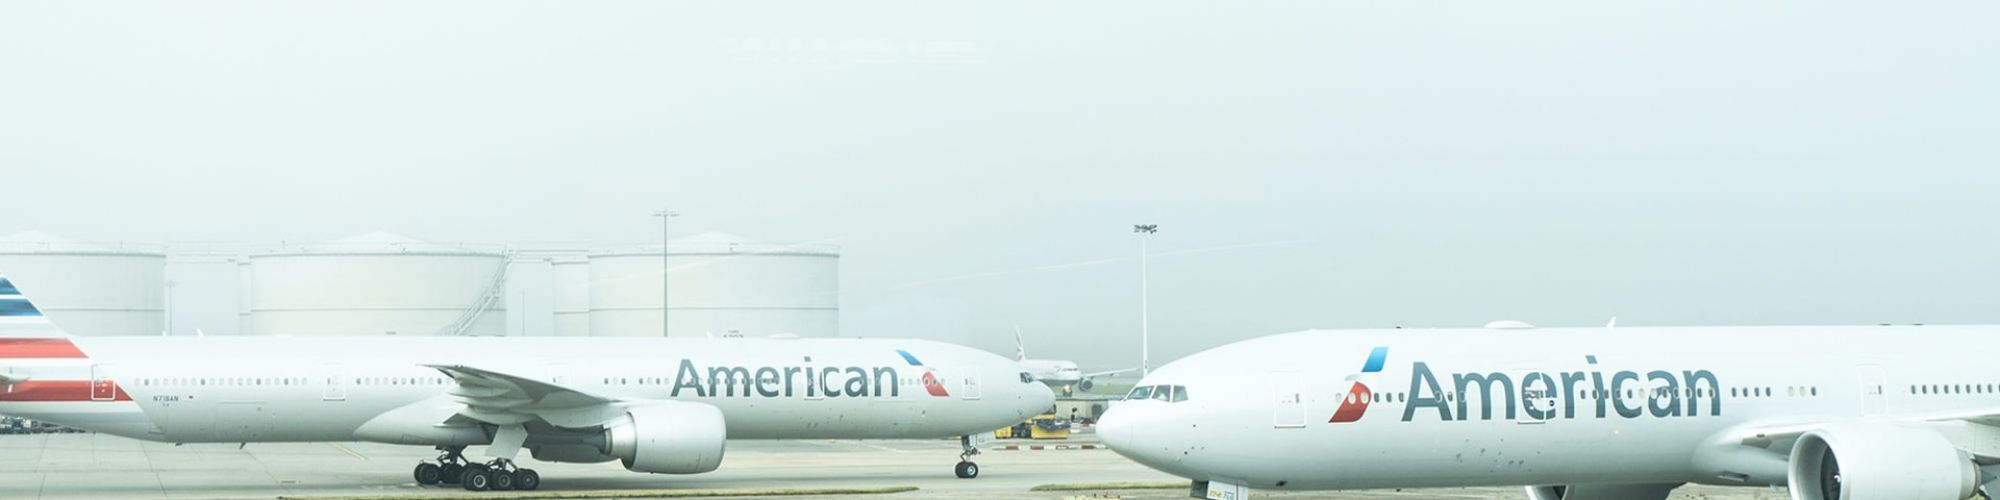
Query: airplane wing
1971	430
1109	373
503	399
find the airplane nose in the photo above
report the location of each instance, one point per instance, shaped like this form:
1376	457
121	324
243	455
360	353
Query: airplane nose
1115	429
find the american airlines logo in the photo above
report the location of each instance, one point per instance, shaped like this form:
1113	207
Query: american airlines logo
1356	403
803	380
1540	395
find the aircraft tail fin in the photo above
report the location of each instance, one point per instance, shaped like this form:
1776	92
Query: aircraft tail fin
1020	348
19	318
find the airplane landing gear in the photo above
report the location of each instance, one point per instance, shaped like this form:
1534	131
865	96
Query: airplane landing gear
965	468
500	475
449	467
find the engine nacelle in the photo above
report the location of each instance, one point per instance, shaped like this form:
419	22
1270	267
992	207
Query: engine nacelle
1879	461
1602	492
570	453
669	437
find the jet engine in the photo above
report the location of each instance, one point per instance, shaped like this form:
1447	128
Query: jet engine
1879	461
1602	492
1085	385
570	453
668	437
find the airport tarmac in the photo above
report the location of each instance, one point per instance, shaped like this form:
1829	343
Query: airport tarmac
96	466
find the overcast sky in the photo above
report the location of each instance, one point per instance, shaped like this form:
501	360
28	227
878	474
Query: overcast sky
1311	164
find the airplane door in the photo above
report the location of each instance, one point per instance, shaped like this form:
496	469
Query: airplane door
971	384
1873	401
336	383
102	388
1288	407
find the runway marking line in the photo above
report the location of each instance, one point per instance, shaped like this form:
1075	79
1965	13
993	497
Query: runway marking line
350	451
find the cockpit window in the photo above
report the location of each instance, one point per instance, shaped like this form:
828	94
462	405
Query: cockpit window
1167	393
1138	393
1027	378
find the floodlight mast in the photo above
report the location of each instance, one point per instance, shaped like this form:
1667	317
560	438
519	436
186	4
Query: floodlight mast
1145	334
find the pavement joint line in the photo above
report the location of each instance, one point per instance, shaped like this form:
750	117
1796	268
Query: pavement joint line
1163	485
618	494
1042	447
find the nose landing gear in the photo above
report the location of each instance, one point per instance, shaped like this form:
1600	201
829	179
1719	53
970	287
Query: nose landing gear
965	468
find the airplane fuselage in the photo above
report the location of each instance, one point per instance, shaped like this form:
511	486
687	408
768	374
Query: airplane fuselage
263	389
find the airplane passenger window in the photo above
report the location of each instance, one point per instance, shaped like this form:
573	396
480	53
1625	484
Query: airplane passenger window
1180	394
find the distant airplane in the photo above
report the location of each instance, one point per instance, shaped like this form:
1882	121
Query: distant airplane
1833	413
659	405
1059	374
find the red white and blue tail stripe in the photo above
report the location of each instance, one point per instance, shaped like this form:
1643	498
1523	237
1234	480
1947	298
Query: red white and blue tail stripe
38	362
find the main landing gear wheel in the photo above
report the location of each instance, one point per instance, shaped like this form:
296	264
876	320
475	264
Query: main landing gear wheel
450	473
502	480
500	475
965	468
450	467
429	473
477	479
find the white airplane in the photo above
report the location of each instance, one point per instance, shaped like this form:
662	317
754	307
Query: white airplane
661	405
1058	374
1833	413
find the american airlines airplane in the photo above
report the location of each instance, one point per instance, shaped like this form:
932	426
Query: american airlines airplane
1833	413
660	405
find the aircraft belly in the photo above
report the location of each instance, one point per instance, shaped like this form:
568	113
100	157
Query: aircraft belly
830	418
1412	454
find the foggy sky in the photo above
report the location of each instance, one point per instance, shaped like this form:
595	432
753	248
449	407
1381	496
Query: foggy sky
1311	164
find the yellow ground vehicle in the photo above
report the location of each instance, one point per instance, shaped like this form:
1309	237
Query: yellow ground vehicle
1044	426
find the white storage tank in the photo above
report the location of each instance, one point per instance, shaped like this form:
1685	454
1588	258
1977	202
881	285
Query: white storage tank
378	284
572	296
721	285
89	289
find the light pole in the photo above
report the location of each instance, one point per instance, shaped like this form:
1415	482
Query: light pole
1145	335
664	215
